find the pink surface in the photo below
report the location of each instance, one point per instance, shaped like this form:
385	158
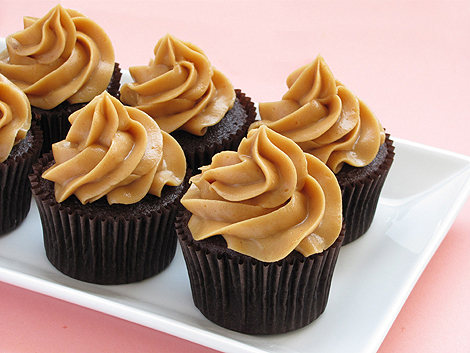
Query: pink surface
409	61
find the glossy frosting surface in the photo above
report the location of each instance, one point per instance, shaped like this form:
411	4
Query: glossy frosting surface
115	151
266	199
179	88
63	56
324	118
15	116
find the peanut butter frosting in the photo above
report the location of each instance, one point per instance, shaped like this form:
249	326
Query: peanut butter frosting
179	88
15	116
63	56
266	199
115	151
324	118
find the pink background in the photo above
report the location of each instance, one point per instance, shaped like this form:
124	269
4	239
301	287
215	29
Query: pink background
408	60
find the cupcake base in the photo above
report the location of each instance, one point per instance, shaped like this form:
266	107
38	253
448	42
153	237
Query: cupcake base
15	190
55	122
226	135
249	296
361	188
107	244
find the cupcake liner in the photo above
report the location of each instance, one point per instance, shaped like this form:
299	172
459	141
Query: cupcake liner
55	122
249	296
226	135
94	243
361	194
15	191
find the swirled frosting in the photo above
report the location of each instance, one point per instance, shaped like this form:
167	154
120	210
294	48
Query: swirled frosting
115	151
266	199
63	56
179	88
15	116
324	118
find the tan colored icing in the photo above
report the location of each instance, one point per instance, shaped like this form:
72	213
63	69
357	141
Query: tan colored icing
179	88
63	56
15	116
266	199
324	118
115	151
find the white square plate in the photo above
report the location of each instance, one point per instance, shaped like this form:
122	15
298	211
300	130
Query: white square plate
425	190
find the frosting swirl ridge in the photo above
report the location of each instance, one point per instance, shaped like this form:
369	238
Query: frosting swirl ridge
179	88
63	56
324	118
266	199
15	116
115	151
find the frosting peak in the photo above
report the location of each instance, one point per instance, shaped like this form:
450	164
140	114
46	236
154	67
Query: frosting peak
15	116
62	56
324	118
179	88
115	151
266	199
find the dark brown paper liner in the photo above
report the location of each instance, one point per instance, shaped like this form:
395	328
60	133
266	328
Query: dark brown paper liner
55	122
246	295
93	245
360	193
15	191
226	135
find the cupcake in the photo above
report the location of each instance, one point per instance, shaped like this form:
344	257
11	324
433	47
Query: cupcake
190	99
260	231
61	61
20	144
328	121
108	195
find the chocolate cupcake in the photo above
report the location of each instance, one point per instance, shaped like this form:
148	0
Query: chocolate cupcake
361	187
61	61
328	121
109	193
260	231
20	144
190	99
